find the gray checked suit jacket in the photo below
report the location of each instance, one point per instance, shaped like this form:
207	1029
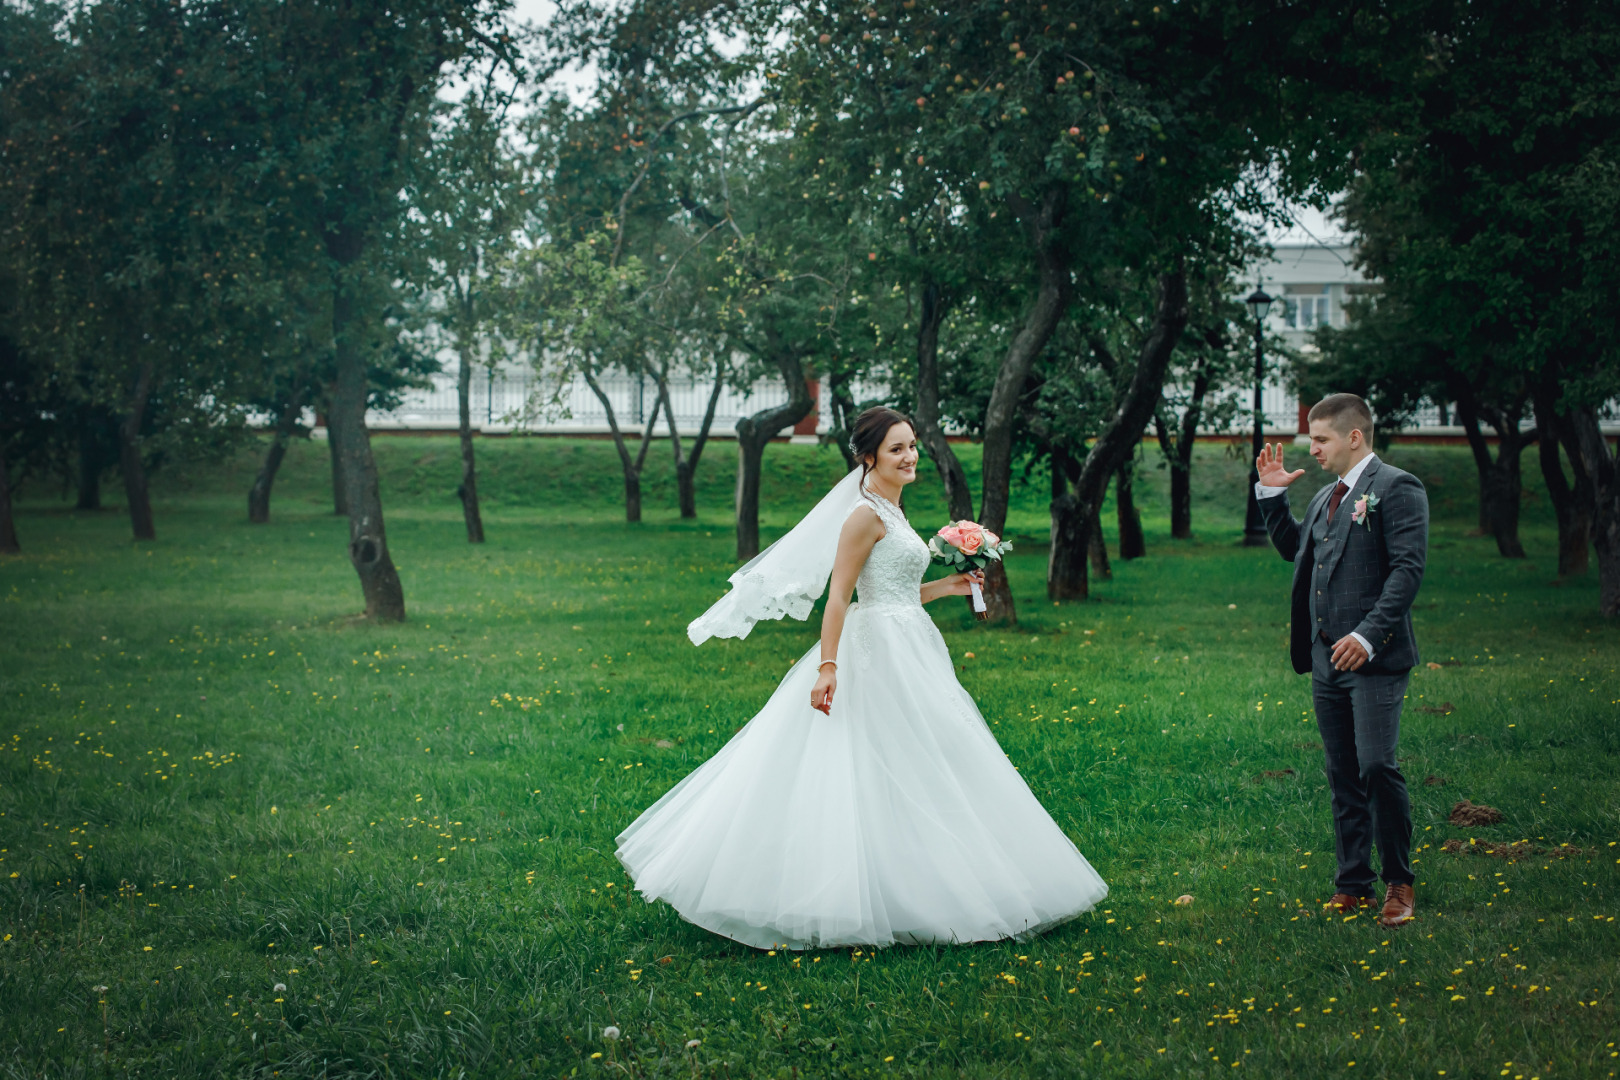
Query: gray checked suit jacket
1375	569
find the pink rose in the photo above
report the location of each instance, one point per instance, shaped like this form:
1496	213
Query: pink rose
950	534
971	541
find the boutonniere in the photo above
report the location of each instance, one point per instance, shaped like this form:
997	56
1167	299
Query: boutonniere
1364	506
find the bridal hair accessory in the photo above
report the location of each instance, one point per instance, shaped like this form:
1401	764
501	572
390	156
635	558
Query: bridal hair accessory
854	453
967	545
786	577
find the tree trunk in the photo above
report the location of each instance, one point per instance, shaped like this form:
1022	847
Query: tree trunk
1132	544
1572	504
1067	550
686	468
1051	298
340	495
1508	493
346	427
1119	437
958	498
1600	465
8	524
259	493
91	464
1066	557
841	403
129	457
1507	486
1180	503
631	466
1178	450
1468	420
685	495
1097	552
467	490
1500	481
753	434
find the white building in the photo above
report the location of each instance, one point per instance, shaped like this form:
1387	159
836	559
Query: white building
1309	278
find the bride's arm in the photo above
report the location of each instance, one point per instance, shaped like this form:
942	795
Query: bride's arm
951	585
861	530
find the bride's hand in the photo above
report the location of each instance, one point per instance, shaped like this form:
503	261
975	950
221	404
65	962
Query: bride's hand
961	584
821	695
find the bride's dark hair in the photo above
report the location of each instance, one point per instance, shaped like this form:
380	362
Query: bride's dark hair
867	433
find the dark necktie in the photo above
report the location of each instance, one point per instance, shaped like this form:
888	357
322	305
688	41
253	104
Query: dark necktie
1339	492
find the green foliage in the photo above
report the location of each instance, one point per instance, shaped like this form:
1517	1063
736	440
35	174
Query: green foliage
1469	198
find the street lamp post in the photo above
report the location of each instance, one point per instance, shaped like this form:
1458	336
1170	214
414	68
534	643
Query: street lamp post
1254	529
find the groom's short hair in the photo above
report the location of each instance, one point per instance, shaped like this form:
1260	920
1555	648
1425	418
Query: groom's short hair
1345	412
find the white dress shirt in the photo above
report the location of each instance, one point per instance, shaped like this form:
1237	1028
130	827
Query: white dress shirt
1261	491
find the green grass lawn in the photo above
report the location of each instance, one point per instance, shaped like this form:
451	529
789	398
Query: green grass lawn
287	842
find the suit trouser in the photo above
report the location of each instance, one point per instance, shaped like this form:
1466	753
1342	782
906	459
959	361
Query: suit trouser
1359	716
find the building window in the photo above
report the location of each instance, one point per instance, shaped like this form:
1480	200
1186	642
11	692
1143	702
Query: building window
1307	312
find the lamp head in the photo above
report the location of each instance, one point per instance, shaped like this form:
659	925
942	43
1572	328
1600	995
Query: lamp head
1259	304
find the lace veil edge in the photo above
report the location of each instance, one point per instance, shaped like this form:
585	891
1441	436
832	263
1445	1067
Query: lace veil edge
787	577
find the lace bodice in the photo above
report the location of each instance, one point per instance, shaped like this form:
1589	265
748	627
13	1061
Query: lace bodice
894	570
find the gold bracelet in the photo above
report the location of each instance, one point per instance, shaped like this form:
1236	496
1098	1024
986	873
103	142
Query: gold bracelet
824	663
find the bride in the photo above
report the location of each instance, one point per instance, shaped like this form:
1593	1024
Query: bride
867	803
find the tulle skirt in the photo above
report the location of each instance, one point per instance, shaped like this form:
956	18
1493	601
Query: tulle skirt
898	818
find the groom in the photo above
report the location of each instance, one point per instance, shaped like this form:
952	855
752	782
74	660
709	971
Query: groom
1358	559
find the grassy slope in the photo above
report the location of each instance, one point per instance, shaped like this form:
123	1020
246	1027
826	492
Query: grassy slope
270	787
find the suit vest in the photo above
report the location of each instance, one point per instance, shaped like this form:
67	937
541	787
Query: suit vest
1325	540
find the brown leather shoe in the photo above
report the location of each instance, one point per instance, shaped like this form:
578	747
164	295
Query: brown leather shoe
1398	905
1345	904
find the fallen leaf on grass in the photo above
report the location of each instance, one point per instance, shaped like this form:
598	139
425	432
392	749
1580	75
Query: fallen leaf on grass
663	744
1184	900
1435	781
1466	813
1432	666
1445	708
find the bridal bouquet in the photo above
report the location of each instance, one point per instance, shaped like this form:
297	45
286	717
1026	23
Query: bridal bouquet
967	545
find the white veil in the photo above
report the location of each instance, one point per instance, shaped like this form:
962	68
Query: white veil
786	577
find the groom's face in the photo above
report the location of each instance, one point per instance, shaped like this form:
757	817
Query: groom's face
1332	449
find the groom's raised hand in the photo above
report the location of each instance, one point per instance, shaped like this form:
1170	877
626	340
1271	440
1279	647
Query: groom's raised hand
1269	467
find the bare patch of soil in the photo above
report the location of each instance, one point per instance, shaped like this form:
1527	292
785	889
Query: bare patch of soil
1518	849
1435	781
1467	814
1445	708
1271	774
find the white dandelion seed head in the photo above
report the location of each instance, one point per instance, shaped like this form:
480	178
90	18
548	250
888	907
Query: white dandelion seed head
610	1033
693	1044
99	989
280	988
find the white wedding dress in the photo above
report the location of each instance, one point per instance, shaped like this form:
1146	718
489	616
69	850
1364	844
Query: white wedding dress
897	818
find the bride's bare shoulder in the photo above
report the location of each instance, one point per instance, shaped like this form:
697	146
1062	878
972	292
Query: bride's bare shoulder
862	525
